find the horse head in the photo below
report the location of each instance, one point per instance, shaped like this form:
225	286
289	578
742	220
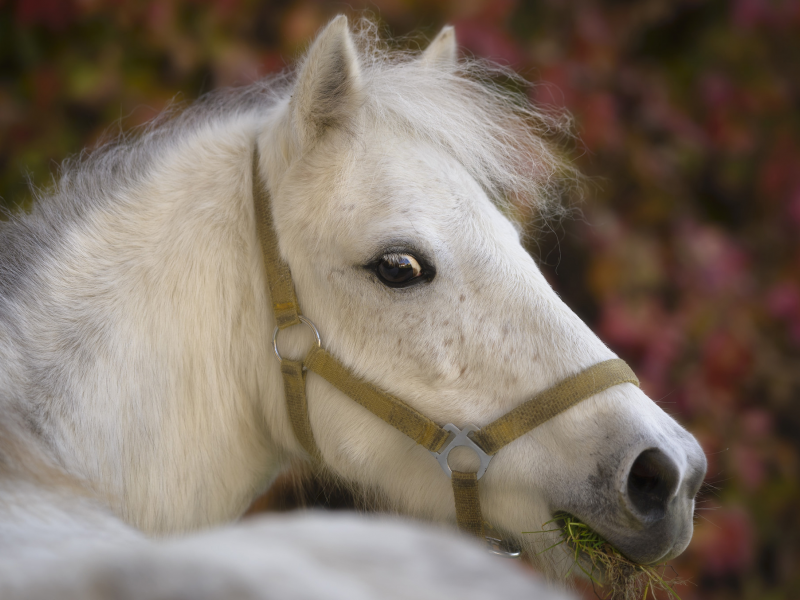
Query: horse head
389	179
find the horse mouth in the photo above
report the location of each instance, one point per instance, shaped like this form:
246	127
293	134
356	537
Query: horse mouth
598	560
582	561
581	545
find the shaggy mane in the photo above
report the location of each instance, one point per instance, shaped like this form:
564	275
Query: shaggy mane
474	112
477	114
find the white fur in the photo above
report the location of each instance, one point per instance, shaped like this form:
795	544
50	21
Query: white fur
139	351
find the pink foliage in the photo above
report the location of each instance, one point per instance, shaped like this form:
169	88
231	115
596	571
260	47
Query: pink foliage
489	42
724	542
55	15
713	261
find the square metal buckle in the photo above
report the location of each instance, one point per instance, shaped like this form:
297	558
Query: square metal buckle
461	438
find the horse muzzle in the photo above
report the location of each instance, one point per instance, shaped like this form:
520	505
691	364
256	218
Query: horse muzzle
646	510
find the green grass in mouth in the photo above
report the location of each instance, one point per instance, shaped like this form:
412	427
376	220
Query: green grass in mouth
606	567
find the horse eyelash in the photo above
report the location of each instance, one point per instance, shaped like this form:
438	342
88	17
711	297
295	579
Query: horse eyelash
421	257
428	270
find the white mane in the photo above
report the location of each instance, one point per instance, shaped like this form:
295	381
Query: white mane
477	112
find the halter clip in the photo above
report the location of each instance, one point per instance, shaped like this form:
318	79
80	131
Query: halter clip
461	439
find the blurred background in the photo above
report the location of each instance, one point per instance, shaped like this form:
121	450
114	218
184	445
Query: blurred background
686	259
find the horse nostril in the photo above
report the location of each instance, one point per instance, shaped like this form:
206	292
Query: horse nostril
652	482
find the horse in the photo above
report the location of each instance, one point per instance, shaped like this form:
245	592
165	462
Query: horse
141	395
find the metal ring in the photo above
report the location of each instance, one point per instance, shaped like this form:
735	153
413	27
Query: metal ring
462	439
305	322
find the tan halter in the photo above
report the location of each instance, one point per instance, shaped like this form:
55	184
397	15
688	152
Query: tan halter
485	441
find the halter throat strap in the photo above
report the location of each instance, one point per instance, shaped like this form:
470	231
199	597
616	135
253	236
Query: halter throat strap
486	441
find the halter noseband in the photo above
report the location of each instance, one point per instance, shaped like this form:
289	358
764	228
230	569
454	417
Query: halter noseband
485	441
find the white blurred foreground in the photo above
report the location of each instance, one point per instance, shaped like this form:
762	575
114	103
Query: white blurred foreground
302	556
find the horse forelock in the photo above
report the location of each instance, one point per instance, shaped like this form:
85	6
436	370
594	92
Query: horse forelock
477	112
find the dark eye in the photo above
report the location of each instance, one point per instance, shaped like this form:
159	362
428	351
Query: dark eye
399	270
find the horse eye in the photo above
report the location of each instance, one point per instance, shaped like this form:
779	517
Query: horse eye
399	270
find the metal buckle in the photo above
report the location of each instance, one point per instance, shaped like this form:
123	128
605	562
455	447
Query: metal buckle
305	322
461	439
502	548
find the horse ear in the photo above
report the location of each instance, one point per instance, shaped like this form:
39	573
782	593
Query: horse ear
328	89
443	50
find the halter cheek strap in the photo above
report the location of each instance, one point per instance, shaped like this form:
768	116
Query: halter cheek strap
485	441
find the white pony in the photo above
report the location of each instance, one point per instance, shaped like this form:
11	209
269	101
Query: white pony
140	394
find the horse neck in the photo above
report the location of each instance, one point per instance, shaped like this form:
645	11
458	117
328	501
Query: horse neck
143	339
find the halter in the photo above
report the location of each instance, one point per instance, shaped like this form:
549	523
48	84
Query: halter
440	441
